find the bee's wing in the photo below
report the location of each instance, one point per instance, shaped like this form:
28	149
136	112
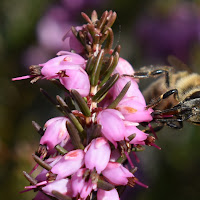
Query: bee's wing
174	61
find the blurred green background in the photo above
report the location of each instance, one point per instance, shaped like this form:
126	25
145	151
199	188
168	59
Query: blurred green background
148	32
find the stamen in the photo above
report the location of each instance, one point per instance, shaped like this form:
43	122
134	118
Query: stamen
21	78
141	184
152	130
129	159
135	156
34	168
154	145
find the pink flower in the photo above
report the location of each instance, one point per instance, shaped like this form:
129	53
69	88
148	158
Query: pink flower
68	68
107	195
124	67
55	132
133	91
116	174
139	137
65	61
97	154
80	186
76	78
112	125
63	186
69	164
72	42
134	111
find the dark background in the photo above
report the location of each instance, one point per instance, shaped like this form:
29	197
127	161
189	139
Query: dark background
148	32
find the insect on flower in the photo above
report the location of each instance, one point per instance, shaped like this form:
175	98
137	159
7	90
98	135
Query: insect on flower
176	98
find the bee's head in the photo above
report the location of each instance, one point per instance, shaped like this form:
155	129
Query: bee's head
192	103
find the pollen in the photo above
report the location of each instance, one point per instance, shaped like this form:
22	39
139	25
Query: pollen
61	133
130	109
68	59
71	155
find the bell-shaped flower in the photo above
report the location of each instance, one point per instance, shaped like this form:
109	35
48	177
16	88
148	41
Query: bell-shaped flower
69	164
124	67
112	125
56	67
76	78
80	186
133	90
134	111
55	132
107	195
72	43
97	154
140	136
51	68
116	174
63	186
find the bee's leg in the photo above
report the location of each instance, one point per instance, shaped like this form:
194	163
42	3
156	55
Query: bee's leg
179	125
163	96
153	73
155	128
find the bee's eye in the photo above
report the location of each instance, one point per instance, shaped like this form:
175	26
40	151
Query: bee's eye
195	95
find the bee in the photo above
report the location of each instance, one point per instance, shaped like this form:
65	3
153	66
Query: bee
175	98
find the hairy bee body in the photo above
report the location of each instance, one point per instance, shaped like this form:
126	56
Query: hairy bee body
184	82
188	87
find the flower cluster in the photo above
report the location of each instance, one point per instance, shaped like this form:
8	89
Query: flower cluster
83	152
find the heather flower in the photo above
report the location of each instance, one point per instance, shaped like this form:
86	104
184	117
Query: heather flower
72	43
76	78
134	110
139	137
133	91
112	125
69	68
63	186
80	186
124	67
55	132
80	159
116	174
54	66
69	164
97	154
107	195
